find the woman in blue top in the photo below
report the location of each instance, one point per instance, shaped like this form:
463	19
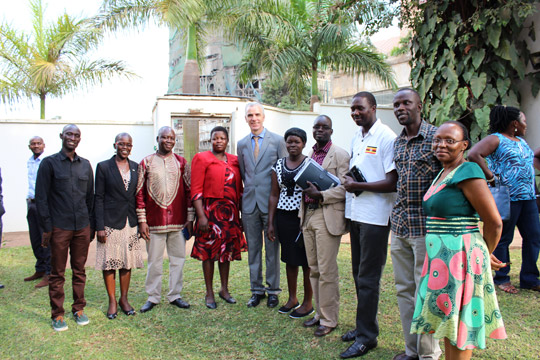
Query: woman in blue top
509	157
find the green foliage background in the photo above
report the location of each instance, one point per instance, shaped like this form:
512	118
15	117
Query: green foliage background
467	56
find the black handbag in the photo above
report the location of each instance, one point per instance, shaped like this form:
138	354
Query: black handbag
501	194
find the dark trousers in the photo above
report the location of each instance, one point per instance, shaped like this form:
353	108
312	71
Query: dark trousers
42	254
524	214
369	248
77	243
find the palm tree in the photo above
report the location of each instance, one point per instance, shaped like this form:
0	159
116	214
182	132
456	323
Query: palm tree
297	39
52	60
190	17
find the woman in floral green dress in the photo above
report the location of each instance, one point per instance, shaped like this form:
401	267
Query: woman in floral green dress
456	298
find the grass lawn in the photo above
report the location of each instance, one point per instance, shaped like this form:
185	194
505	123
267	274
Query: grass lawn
230	332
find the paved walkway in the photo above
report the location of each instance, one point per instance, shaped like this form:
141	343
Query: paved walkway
13	239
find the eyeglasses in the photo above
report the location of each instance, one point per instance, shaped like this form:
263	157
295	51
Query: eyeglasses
438	141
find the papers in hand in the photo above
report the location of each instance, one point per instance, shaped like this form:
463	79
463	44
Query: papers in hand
314	173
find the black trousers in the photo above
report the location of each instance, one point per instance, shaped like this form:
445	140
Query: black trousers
369	248
43	255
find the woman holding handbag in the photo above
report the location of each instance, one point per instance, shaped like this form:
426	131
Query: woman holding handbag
509	157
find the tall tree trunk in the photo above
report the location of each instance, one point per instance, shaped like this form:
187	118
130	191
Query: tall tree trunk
42	105
191	78
314	88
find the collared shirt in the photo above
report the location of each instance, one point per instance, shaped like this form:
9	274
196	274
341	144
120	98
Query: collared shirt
32	165
417	167
373	155
319	154
65	192
260	140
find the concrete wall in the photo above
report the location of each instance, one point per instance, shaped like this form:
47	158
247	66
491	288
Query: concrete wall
531	105
276	120
96	145
97	137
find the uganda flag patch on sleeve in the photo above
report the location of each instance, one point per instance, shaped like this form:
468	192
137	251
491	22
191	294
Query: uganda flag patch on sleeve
371	150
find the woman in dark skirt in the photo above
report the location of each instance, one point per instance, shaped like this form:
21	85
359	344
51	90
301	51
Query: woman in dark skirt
283	221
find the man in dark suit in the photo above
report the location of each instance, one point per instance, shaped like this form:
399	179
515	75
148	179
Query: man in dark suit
257	152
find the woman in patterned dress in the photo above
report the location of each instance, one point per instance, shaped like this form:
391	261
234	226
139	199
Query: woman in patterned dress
216	192
284	223
456	298
509	157
118	247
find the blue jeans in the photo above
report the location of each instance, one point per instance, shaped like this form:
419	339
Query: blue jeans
524	214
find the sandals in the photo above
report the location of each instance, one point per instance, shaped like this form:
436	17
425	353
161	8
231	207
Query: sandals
508	288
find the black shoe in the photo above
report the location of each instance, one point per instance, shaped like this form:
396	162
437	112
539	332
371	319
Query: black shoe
129	312
311	322
349	336
255	300
180	303
273	301
285	310
112	316
147	306
357	349
211	305
1	286
229	300
298	315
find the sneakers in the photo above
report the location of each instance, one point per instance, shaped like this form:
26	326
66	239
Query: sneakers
59	324
81	318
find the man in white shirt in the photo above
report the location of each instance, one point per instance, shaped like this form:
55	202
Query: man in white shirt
42	254
368	206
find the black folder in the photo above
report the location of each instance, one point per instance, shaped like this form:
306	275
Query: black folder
314	173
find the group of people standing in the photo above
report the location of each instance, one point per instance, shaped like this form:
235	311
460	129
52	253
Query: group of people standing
416	186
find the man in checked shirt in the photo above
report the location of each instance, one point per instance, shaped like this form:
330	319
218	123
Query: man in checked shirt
417	167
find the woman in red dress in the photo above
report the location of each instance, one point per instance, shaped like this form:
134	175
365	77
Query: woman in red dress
216	192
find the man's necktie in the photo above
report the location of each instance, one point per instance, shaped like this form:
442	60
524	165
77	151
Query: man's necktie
256	149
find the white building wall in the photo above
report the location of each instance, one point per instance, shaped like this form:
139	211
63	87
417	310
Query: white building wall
531	105
96	145
97	138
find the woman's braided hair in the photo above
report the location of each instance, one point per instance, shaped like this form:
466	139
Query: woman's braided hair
500	118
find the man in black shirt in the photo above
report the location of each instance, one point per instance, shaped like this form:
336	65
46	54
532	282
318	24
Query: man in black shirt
64	199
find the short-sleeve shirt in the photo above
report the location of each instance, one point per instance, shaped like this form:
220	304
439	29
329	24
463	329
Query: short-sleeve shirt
513	162
417	166
446	199
373	154
290	194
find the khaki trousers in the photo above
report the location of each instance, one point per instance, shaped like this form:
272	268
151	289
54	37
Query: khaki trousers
176	249
408	255
321	251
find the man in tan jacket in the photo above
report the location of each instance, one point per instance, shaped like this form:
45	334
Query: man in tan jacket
322	215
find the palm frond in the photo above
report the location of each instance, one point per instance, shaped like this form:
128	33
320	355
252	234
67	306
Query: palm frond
357	59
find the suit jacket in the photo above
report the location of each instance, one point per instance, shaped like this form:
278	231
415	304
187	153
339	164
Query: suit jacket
113	204
257	174
333	204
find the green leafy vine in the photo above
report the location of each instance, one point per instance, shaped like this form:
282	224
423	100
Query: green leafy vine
467	56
